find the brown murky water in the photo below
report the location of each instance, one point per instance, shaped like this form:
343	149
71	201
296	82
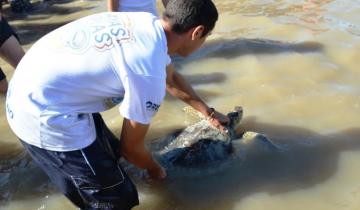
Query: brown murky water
294	67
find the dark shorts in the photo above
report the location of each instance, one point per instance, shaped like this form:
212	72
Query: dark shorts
6	31
91	177
2	75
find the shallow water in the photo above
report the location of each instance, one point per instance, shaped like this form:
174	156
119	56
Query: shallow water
292	65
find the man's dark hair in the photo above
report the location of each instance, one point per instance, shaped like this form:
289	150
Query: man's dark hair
186	14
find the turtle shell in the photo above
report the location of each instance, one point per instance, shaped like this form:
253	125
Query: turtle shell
202	142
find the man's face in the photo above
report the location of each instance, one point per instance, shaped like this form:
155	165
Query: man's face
192	45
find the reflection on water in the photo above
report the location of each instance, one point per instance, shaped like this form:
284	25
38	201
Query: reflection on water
292	65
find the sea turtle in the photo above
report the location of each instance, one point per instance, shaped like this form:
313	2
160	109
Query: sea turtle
202	144
196	149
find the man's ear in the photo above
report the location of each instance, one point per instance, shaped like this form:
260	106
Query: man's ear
197	32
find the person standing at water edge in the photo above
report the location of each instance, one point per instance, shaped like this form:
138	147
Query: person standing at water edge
134	6
91	65
10	50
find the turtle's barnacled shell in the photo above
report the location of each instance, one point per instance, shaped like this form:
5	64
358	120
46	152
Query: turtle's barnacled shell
201	143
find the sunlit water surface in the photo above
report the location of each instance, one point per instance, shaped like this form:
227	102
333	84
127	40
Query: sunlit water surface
294	67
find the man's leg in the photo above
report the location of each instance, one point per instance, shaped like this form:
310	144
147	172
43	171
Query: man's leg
10	48
11	51
91	177
108	187
50	164
3	82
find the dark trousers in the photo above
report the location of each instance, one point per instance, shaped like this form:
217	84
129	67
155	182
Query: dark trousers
91	178
5	33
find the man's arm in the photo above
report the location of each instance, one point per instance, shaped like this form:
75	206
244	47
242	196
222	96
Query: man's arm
133	149
113	5
177	86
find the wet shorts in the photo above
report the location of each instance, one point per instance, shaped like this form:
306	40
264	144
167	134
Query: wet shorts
6	31
91	177
2	75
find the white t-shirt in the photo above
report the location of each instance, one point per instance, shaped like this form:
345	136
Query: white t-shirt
84	67
138	6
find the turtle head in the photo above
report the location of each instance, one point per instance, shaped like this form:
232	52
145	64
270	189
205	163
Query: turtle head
235	116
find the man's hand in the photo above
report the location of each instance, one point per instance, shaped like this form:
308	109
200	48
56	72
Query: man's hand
218	120
177	86
157	173
133	149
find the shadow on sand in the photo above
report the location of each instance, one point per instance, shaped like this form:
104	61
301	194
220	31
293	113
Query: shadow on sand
232	48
